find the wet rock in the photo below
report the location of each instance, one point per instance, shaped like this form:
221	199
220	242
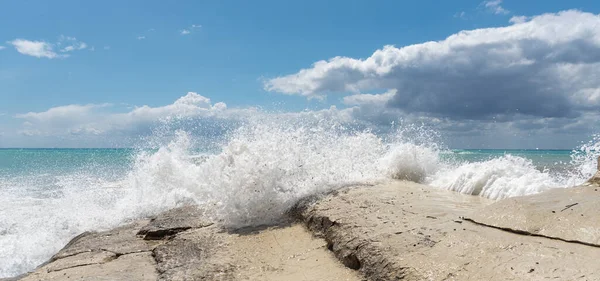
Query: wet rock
121	240
116	254
199	254
174	221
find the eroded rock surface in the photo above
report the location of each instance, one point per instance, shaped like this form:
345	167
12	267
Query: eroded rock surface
110	255
406	231
393	231
571	214
199	254
174	221
184	246
121	253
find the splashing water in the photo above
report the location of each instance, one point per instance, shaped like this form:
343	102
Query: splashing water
261	169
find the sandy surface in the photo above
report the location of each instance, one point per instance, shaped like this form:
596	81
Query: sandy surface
288	253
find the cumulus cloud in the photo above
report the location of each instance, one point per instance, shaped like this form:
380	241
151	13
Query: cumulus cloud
43	49
518	19
495	7
98	119
111	125
38	49
369	99
189	105
60	113
545	67
141	37
57	119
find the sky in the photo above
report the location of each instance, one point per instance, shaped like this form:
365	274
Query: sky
491	74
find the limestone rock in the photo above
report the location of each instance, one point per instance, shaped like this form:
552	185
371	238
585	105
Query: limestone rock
569	214
116	254
199	254
406	231
174	221
120	240
129	267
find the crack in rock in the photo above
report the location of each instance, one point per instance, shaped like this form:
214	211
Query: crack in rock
527	233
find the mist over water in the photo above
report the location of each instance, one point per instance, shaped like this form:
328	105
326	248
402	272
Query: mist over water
247	175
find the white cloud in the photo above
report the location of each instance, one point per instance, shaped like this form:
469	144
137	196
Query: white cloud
96	119
141	37
546	67
518	19
370	99
70	44
2	48
61	116
191	104
495	7
38	49
98	125
189	29
43	49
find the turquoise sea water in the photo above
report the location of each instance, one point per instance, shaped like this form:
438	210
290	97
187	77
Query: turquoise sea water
113	163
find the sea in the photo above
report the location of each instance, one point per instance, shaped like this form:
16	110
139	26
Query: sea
252	176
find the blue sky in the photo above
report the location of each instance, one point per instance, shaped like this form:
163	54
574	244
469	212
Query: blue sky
129	54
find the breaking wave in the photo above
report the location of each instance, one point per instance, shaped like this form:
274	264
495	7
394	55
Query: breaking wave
257	172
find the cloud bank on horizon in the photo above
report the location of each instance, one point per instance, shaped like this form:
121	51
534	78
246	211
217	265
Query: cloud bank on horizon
538	75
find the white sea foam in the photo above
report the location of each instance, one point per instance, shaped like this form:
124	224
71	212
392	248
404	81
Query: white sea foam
261	170
39	218
497	178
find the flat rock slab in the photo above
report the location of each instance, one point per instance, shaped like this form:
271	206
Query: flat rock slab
196	251
121	240
174	221
571	214
82	259
117	254
130	267
407	231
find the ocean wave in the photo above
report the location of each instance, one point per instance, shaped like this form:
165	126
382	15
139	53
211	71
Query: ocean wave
260	171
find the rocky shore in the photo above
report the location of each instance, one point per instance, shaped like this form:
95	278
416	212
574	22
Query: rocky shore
392	231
